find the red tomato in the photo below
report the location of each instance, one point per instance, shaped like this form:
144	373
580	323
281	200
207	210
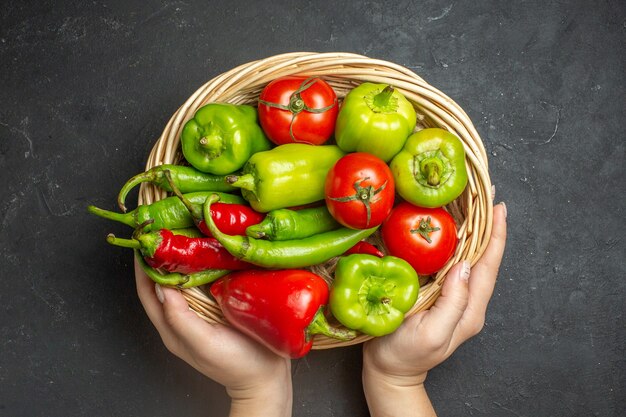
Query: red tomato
359	190
298	109
424	237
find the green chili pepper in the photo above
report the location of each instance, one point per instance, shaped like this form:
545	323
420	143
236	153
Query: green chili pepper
221	138
286	176
174	279
286	224
376	119
372	294
187	180
169	213
286	254
430	171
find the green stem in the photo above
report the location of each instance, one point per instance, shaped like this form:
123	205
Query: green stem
320	325
425	229
378	294
433	173
195	212
382	99
148	176
212	141
125	218
260	230
124	243
296	104
245	181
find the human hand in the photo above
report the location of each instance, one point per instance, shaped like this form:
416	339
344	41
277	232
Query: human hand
396	365
257	380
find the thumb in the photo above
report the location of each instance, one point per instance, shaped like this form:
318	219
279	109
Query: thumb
178	317
445	314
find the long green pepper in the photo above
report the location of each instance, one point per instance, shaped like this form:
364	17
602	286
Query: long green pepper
287	224
174	279
187	180
169	213
286	254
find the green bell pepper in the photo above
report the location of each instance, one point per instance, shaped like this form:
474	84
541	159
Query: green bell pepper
288	175
376	119
372	294
221	138
430	170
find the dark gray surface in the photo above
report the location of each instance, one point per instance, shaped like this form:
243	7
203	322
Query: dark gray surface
86	88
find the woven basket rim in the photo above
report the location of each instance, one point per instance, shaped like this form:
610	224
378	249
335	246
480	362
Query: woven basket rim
473	210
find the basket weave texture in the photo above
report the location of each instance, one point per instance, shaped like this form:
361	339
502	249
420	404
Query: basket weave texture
343	71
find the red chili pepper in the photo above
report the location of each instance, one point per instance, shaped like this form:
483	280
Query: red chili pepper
232	219
364	247
178	253
281	309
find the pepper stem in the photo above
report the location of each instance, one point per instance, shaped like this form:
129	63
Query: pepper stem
259	230
433	174
195	212
245	181
211	141
124	243
378	294
382	99
126	218
148	176
319	325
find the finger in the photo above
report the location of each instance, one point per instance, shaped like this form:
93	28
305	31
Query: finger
485	272
482	280
443	317
147	296
182	322
146	289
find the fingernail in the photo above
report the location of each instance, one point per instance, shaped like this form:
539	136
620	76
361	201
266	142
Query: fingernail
493	192
465	271
159	293
504	207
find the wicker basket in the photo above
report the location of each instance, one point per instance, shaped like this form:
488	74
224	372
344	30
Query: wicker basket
343	71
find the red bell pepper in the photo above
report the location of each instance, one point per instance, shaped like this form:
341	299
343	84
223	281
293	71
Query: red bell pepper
179	253
281	309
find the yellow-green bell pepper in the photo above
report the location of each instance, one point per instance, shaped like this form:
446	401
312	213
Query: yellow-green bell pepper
430	170
376	119
372	294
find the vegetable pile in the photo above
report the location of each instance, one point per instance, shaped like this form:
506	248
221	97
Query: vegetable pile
298	181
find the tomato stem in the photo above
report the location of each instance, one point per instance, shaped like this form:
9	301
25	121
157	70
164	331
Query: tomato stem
425	228
363	194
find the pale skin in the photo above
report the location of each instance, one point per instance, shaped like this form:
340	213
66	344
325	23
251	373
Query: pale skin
394	367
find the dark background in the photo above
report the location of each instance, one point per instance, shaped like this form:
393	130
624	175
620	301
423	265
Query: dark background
87	87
